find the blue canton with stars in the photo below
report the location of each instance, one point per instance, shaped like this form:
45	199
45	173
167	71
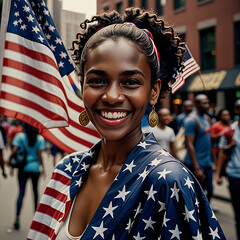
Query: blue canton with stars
32	20
153	197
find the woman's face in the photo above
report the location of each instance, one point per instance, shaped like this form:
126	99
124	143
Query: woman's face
116	88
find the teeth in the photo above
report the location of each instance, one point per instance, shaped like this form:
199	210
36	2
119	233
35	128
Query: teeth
113	115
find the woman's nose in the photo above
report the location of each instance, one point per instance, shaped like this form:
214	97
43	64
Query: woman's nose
113	94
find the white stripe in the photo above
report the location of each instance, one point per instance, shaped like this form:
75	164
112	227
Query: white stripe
32	234
25	94
48	123
56	170
59	186
53	202
45	219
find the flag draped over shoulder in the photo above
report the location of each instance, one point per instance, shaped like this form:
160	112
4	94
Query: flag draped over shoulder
37	76
190	67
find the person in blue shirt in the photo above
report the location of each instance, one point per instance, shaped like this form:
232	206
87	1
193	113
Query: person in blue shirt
198	143
33	144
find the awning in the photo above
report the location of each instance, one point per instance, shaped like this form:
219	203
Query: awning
213	80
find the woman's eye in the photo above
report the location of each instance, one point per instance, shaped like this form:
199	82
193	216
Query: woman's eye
96	81
131	83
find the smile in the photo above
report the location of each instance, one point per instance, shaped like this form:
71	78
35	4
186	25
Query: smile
113	115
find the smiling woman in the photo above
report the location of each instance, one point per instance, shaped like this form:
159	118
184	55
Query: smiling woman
126	186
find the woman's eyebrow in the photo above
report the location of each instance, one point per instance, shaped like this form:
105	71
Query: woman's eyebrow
131	72
97	72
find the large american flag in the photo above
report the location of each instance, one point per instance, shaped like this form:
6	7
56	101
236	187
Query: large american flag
190	67
37	75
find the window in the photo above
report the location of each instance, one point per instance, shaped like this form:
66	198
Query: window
237	42
207	43
119	7
179	4
144	4
160	6
130	3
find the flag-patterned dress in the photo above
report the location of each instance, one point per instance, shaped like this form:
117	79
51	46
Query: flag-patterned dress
153	197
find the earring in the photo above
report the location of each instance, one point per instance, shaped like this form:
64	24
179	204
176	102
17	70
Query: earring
83	118
153	118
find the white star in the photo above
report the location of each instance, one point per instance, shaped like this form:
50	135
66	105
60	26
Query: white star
175	233
30	18
46	24
63	54
143	144
162	206
164	152
163	173
149	223
16	14
165	220
40	18
129	167
79	182
99	230
35	29
48	36
189	183
143	175
20	20
15	23
197	203
43	4
138	210
151	193
61	64
41	38
68	167
213	215
46	12
90	154
84	166
75	159
175	191
52	47
198	237
138	237
155	162
214	233
109	210
23	27
122	194
129	225
58	41
189	215
51	28
26	8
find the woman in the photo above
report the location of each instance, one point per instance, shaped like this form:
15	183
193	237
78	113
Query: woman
33	144
126	186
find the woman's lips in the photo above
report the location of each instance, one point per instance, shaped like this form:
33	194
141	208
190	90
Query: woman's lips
113	118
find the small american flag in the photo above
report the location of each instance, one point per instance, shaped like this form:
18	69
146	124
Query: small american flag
190	67
37	75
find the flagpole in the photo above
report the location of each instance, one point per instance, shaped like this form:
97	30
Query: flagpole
204	87
4	23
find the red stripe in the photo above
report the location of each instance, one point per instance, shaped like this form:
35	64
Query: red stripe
30	53
61	178
48	210
33	89
39	227
75	138
32	105
55	194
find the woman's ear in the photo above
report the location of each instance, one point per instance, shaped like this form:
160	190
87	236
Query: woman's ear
155	92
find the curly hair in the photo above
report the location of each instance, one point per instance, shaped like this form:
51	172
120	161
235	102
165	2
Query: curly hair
109	25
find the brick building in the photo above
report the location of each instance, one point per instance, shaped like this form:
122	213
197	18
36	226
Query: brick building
211	29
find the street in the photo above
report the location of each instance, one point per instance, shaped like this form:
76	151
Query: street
9	191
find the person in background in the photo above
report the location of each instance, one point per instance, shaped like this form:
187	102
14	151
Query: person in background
229	151
198	143
164	134
2	163
126	186
15	128
33	144
217	130
55	150
187	108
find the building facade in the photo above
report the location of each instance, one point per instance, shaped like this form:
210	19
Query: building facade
211	29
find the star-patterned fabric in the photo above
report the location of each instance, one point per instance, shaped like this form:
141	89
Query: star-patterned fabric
153	197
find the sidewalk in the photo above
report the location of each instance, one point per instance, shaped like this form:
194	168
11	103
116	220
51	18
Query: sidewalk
9	191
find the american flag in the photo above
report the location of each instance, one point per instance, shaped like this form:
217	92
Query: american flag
190	67
37	76
153	197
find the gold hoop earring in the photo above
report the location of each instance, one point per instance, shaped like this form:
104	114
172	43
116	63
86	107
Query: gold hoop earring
153	118
83	118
